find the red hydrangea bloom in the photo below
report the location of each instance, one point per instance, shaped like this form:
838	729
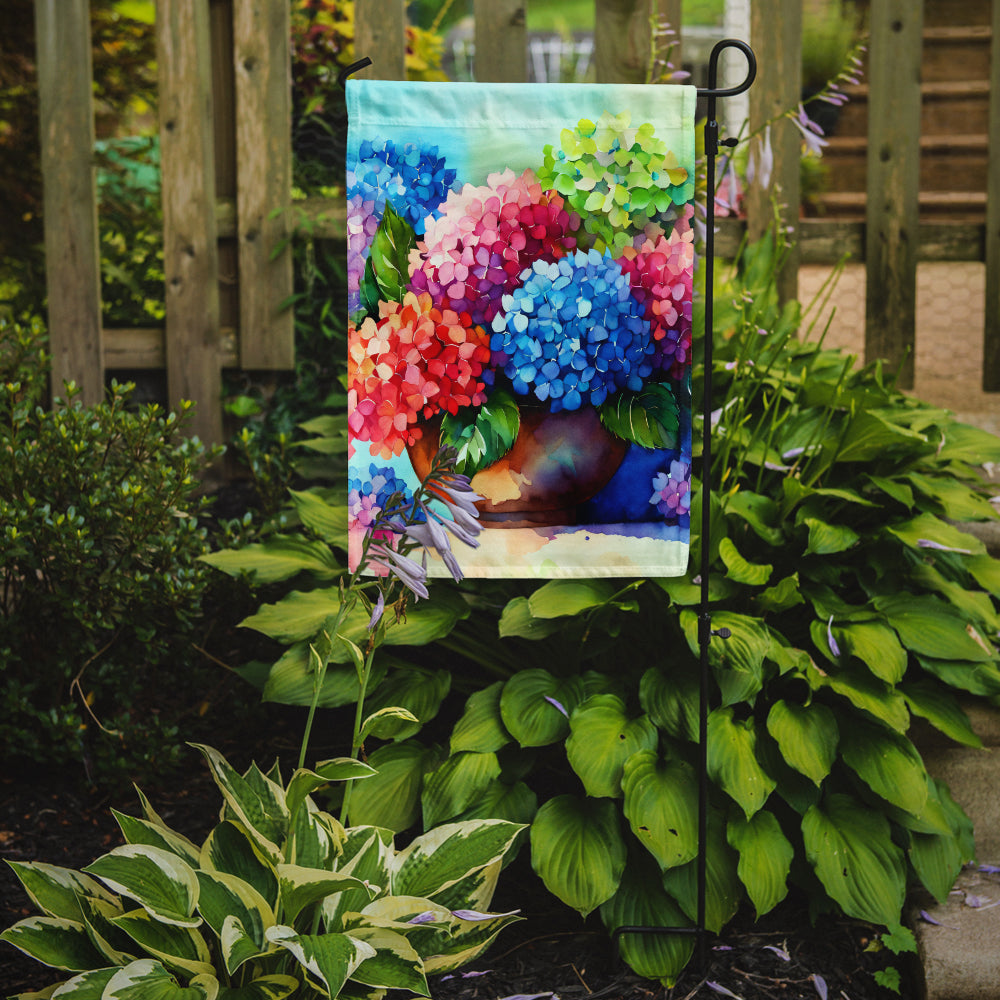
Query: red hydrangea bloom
416	361
661	275
485	238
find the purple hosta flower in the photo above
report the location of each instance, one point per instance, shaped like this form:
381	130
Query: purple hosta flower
572	334
760	165
557	704
427	917
819	983
927	543
729	193
414	179
672	490
476	915
411	574
367	501
719	988
812	134
377	612
830	641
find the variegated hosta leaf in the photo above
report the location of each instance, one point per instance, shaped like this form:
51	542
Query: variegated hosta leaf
301	887
329	959
456	784
367	854
851	849
149	980
177	947
481	727
224	897
256	801
602	738
732	760
441	857
158	880
578	851
315	838
642	902
807	735
56	891
54	941
238	944
468	939
230	849
765	858
116	947
661	806
274	987
87	986
141	831
395	964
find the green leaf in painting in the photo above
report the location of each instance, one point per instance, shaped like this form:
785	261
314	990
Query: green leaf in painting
578	851
484	434
388	260
649	418
851	850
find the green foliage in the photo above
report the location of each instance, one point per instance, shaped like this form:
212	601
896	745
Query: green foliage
280	899
101	587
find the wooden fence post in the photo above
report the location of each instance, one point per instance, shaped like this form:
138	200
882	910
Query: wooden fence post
262	61
893	183
380	34
72	255
776	35
501	41
624	38
190	251
991	332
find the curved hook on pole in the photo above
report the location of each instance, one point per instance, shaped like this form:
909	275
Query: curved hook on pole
713	69
353	68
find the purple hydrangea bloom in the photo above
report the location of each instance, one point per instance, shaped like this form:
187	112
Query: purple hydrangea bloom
572	333
672	490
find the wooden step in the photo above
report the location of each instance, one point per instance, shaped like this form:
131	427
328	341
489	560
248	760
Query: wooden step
947	162
956	53
940	13
958	206
947	106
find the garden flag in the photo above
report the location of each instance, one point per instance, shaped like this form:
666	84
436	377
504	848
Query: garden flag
520	263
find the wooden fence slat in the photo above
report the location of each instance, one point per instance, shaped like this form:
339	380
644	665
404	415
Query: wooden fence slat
892	215
991	331
72	256
380	34
190	253
776	36
623	38
262	61
501	41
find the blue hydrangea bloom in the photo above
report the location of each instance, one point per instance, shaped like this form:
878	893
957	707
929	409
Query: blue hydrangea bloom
413	178
572	334
367	498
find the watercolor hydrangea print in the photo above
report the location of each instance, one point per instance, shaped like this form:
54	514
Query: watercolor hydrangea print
536	319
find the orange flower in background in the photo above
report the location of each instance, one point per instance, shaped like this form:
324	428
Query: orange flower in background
415	361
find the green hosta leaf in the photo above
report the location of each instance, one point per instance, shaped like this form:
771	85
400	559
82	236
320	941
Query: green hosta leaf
516	620
965	443
671	700
165	886
865	692
456	784
417	690
850	847
893	488
274	987
602	738
395	964
559	598
976	605
932	628
783	595
660	805
389	256
937	859
641	901
876	646
738	569
976	678
238	944
649	418
958	502
147	979
765	858
516	803
230	849
530	706
870	436
279	558
941	709
828	539
181	948
440	858
481	728
391	798
292	680
330	959
301	887
225	897
304	782
888	763
807	736
54	941
578	851
928	528
723	889
56	891
732	760
986	572
483	435
327	520
760	512
738	661
262	812
385	723
141	831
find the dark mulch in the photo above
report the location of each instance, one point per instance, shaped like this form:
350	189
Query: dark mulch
551	951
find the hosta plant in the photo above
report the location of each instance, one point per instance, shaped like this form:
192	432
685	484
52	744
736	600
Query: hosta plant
279	900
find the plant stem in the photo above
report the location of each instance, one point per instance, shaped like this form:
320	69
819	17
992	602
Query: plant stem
359	715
